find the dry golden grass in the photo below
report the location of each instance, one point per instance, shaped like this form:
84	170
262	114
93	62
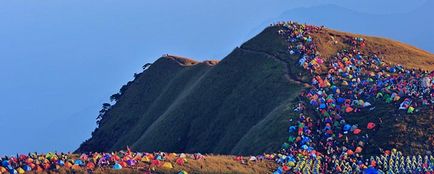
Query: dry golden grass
184	61
393	52
222	164
210	164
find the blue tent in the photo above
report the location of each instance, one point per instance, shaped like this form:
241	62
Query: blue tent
322	106
61	162
117	166
292	129
278	171
370	170
9	167
5	163
302	61
347	127
13	171
27	168
78	162
305	140
290	158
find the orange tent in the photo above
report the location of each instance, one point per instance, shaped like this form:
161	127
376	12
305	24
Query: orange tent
358	150
76	167
46	166
349	109
68	164
39	169
123	164
387	152
2	169
32	165
373	163
90	165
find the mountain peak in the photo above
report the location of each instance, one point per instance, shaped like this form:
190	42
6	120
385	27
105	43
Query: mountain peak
238	106
184	61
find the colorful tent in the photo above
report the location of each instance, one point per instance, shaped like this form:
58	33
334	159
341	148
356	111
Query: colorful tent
182	172
78	162
167	165
76	167
371	125
357	131
347	127
410	110
21	170
3	170
27	168
358	150
349	109
117	166
180	161
146	159
370	170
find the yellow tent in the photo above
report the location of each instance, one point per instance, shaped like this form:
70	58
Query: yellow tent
21	171
345	83
146	159
167	165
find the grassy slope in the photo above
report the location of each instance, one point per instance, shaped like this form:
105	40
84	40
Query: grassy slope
408	133
392	51
211	164
212	116
239	106
199	107
136	101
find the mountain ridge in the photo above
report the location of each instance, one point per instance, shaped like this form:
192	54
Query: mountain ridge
238	105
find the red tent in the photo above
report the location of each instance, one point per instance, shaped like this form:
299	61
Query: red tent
180	161
357	131
371	125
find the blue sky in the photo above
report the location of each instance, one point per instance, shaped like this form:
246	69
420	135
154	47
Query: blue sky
60	60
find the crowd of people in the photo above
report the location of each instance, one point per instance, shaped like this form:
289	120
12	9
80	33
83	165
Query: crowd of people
321	140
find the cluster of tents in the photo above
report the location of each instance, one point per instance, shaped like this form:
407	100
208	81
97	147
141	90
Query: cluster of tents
321	139
52	162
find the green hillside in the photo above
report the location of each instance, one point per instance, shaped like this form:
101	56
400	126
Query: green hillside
239	105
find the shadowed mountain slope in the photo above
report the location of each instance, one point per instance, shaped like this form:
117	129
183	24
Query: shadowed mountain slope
239	105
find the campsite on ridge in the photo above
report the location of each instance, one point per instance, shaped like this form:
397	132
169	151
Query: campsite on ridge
296	98
361	103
